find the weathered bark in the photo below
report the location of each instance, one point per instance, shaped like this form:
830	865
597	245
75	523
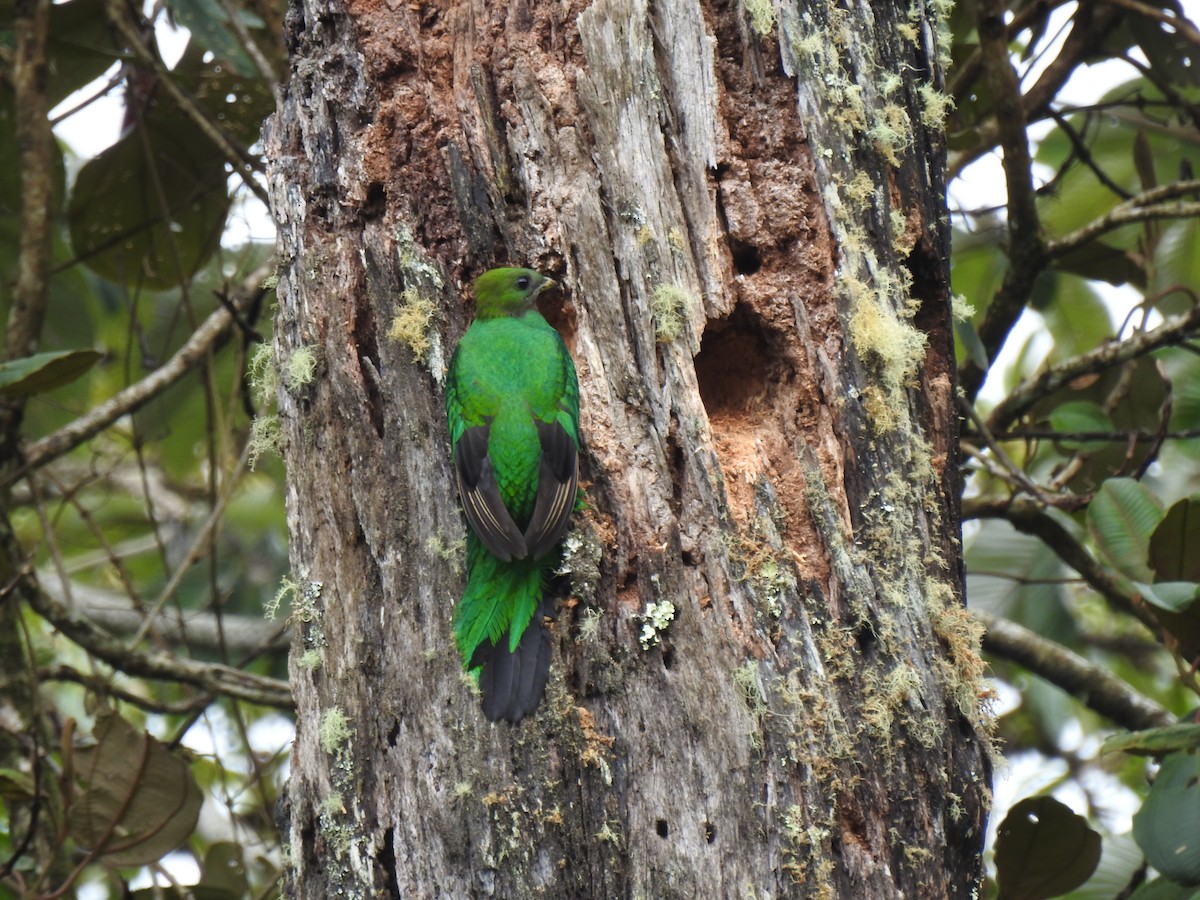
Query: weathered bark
782	471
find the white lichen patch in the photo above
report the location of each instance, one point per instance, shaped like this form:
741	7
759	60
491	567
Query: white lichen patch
655	620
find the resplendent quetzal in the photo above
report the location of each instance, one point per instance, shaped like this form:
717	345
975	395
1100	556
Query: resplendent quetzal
512	404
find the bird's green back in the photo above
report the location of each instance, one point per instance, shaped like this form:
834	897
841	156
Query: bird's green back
506	373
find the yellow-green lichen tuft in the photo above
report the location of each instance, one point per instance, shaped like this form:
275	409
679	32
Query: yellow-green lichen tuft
334	731
299	368
961	309
935	106
878	331
412	322
891	132
262	373
669	306
655	620
762	15
265	437
287	588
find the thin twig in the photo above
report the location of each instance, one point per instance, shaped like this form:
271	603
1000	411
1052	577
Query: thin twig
1112	437
1016	473
1084	154
104	687
1125	214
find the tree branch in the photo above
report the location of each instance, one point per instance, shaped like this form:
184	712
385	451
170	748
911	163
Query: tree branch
214	677
104	687
1094	686
1027	256
1136	209
1107	355
199	630
190	355
1180	23
34	143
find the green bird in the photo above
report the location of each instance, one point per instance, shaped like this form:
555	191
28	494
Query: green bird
512	404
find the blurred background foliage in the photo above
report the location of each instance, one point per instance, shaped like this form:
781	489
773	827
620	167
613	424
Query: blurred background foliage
141	500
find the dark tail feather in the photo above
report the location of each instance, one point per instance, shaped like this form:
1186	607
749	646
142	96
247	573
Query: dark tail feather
513	683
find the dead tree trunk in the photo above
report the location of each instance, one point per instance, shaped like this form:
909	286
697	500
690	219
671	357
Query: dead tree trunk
764	683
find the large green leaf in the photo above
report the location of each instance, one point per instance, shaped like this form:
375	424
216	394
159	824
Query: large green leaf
81	46
1164	889
1043	850
1120	860
149	211
1120	520
1167	827
44	371
234	101
1098	261
1175	543
136	801
209	23
1171	596
1080	416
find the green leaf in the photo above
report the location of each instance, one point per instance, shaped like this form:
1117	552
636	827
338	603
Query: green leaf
1164	889
1167	827
1043	850
137	802
81	47
149	210
1155	741
209	24
1173	596
1120	860
968	336
1079	415
1120	520
16	786
1175	542
1099	261
44	372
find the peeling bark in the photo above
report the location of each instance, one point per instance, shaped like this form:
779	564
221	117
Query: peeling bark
748	221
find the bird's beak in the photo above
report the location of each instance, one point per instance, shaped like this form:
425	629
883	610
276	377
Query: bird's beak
547	285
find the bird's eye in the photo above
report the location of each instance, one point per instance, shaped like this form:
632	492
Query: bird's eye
523	282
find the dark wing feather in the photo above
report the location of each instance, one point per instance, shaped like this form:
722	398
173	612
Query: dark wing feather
480	494
512	684
558	480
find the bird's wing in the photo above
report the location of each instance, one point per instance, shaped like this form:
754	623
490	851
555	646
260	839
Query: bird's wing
558	481
480	495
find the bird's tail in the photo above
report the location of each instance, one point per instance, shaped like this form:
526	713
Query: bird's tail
499	631
512	681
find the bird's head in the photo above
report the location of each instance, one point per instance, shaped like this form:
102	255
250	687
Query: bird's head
508	292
